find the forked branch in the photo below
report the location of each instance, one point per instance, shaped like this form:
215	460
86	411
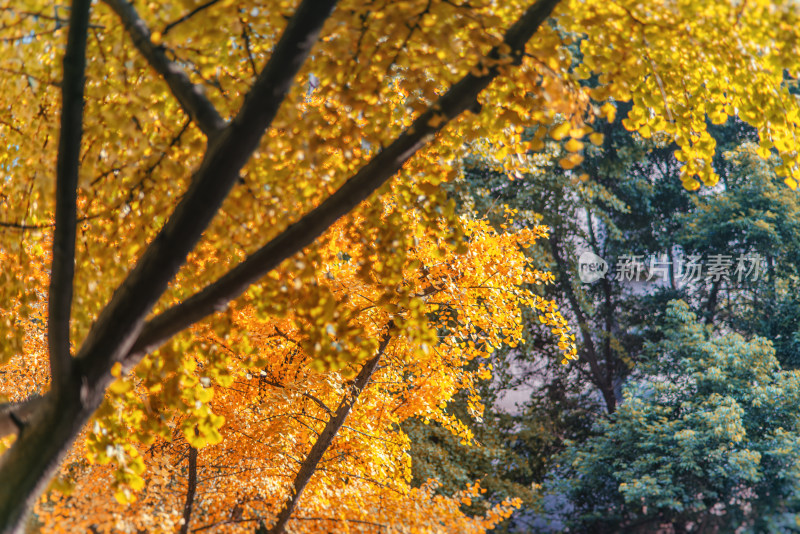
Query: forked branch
27	467
119	323
216	296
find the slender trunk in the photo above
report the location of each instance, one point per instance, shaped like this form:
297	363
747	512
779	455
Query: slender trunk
711	304
612	371
589	354
671	259
772	279
325	439
190	490
608	319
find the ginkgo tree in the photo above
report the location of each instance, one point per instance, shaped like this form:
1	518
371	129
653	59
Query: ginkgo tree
194	147
279	412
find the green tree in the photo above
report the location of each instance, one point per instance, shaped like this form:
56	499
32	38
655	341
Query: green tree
707	440
750	215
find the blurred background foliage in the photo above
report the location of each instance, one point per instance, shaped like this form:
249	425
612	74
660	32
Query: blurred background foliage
681	414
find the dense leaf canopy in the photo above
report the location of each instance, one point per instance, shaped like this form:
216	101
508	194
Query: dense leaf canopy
201	156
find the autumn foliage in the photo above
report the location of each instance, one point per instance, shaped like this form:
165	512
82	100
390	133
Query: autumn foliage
250	396
251	271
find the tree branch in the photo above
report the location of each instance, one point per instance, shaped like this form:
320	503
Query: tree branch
309	396
67	167
118	325
343	520
323	443
26	468
216	296
191	96
187	16
590	354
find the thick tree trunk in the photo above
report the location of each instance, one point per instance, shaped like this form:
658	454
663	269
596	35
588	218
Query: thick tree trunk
33	460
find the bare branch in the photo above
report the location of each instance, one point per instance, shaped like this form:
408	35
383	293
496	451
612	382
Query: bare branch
309	396
24	227
384	165
191	97
187	16
67	166
246	37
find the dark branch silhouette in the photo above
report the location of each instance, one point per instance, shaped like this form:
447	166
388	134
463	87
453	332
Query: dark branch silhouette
191	489
120	333
67	167
216	296
29	464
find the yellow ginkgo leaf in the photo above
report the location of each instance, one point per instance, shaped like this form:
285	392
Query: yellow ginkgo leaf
573	145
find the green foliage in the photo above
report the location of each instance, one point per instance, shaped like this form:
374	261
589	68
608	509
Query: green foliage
708	438
752	215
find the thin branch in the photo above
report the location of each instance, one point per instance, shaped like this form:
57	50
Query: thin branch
323	442
246	36
191	489
31	76
67	167
317	401
191	97
226	522
13	128
23	226
216	296
339	520
187	16
38	227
